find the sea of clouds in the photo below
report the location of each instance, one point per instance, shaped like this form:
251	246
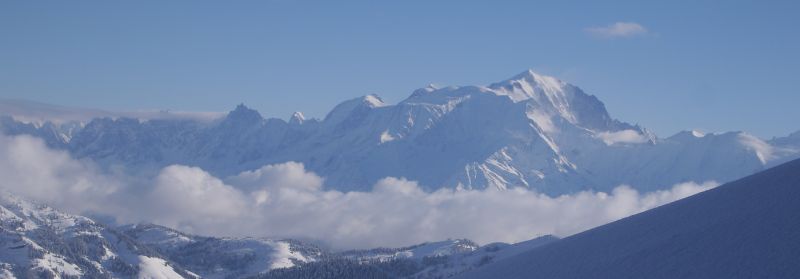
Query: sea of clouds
286	200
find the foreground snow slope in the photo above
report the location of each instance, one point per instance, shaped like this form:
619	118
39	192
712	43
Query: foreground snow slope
529	131
744	229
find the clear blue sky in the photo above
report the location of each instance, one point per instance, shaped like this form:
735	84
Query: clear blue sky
714	65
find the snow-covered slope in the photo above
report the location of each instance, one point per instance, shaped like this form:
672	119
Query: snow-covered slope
212	257
416	252
744	229
451	262
442	259
528	131
37	241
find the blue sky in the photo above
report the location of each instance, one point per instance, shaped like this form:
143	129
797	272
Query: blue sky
712	65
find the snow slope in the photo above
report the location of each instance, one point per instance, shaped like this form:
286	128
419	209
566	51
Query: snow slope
37	241
212	257
529	131
748	228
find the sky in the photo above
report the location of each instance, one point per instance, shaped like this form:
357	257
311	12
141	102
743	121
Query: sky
668	66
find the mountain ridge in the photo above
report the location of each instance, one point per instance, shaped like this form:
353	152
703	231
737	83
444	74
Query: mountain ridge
530	131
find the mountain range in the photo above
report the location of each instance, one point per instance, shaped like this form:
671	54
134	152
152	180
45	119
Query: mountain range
531	131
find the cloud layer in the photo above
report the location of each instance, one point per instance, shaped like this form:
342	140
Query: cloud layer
624	136
617	30
285	200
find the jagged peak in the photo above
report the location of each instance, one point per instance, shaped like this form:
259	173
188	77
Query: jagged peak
243	113
297	118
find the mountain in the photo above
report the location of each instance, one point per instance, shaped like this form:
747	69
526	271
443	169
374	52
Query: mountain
213	257
529	131
37	241
744	229
442	259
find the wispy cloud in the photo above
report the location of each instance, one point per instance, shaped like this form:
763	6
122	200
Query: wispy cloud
617	30
624	136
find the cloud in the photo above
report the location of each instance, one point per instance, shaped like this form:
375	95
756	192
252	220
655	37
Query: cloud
38	113
286	200
624	136
617	30
189	198
29	168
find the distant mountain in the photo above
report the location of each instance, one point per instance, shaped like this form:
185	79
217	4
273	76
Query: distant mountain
748	228
529	131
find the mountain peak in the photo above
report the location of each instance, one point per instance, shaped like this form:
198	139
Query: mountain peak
346	108
297	118
243	113
373	101
530	81
529	74
550	96
424	91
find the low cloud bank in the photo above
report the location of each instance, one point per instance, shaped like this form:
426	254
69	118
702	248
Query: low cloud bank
285	200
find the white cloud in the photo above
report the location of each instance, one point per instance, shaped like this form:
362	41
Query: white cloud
285	200
763	150
617	30
189	198
624	136
29	168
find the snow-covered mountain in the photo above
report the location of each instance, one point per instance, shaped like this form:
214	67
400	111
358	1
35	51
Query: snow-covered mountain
37	241
748	228
529	131
212	257
448	258
442	259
